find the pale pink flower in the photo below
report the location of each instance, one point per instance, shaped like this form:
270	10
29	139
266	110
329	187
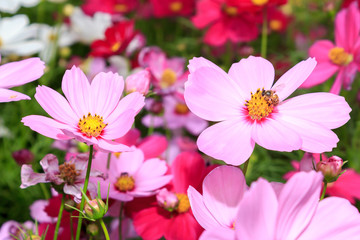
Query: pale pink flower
13	230
268	211
342	57
18	73
71	173
92	113
138	82
252	109
131	175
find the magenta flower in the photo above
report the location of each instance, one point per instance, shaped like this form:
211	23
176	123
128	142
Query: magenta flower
342	57
71	173
18	73
92	113
131	175
269	211
252	109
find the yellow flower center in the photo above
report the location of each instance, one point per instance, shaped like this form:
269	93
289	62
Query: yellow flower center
52	37
184	203
259	2
176	6
338	56
68	173
91	126
115	46
181	109
275	25
120	7
125	182
117	154
231	11
261	104
168	78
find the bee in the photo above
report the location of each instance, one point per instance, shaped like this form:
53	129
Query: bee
270	97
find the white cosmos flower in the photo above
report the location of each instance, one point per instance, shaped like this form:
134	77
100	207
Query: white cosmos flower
12	6
18	37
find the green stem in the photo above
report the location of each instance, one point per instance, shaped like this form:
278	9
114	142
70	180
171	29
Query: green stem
108	161
85	189
323	191
44	190
59	217
245	167
264	34
71	227
104	229
120	220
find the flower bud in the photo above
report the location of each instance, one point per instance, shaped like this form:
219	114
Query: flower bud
167	200
23	156
68	204
92	229
138	82
95	209
330	168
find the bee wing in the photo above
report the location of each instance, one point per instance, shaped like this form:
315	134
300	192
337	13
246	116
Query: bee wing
279	87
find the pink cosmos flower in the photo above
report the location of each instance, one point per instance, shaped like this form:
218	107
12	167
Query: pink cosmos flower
71	173
342	57
18	73
11	229
268	211
171	8
346	186
92	113
131	175
252	109
138	82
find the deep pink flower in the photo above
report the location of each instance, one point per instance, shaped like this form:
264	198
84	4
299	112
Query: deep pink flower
252	109
269	211
342	57
90	7
228	20
346	186
171	8
71	173
92	113
18	73
131	175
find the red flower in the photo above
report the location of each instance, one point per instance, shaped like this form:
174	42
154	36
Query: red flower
277	20
153	222
90	7
172	7
229	19
117	39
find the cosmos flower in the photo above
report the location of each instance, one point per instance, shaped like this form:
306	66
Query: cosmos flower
12	6
18	73
342	57
252	109
172	7
92	113
282	211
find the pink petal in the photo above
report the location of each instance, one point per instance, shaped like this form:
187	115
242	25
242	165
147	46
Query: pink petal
229	141
274	134
210	11
326	109
46	126
76	88
201	213
50	164
198	62
293	78
320	51
73	190
349	74
30	178
207	100
218	233
322	72
119	127
111	146
177	65
297	204
153	146
7	95
56	105
21	72
37	211
217	34
336	87
256	217
195	125
346	186
106	91
221	196
151	184
335	218
128	162
251	74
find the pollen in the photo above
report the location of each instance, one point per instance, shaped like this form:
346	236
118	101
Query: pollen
181	109
176	6
259	106
68	173
116	46
259	2
184	203
121	8
91	126
275	25
338	56
125	182
231	11
168	78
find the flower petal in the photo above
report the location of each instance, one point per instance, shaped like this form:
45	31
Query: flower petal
7	95
322	72
218	233
29	177
119	127
111	146
229	141
320	50
293	78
